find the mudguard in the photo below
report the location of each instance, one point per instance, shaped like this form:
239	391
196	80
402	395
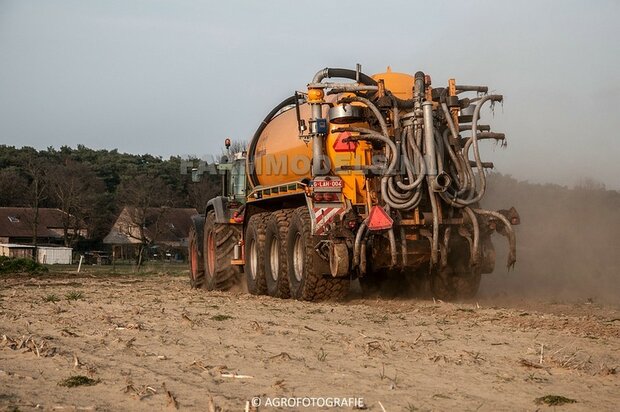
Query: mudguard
219	206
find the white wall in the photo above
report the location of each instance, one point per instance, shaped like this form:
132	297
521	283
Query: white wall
54	255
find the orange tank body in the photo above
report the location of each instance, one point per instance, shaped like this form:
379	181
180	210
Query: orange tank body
280	156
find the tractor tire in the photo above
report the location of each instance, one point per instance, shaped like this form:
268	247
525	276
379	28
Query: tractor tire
308	274
219	242
196	261
255	254
276	273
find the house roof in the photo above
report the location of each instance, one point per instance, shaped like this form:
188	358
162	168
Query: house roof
165	225
18	222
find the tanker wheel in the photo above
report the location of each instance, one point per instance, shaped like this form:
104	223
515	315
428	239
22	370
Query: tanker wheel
390	283
451	284
276	273
382	281
305	267
219	242
255	254
196	262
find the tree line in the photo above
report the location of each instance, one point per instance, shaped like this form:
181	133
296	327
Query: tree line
92	186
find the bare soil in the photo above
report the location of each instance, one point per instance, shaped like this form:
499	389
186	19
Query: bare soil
150	343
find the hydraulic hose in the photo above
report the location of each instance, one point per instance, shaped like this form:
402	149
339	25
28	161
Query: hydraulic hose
509	233
368	134
475	255
409	139
358	240
372	107
330	72
454	200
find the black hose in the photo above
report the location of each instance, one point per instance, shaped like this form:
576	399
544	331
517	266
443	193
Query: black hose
250	157
330	72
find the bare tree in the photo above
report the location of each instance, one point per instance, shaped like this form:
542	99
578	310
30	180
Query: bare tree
199	193
37	191
148	199
76	190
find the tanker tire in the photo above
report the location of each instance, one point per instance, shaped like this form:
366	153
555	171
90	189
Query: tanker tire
255	254
450	285
276	232
459	279
219	242
305	267
196	261
391	284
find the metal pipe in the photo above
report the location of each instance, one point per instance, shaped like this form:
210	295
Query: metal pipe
429	139
479	89
317	143
343	87
418	86
441	182
481	127
435	210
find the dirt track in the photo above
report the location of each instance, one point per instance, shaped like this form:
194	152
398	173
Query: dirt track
142	337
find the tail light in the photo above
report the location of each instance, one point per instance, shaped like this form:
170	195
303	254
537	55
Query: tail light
326	197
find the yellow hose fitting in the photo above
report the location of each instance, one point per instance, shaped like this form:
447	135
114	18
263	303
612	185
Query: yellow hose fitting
315	95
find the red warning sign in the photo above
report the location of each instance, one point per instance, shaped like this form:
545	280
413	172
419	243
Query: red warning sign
378	219
342	144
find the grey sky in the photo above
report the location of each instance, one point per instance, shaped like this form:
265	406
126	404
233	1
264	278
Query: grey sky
177	77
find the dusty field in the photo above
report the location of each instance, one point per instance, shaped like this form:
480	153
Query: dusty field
150	343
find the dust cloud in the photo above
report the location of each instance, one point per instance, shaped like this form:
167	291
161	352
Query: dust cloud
567	243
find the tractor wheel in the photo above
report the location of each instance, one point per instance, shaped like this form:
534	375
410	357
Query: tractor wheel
196	262
308	274
255	254
275	249
219	242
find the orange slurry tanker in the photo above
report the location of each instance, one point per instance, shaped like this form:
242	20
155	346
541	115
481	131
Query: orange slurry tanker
377	178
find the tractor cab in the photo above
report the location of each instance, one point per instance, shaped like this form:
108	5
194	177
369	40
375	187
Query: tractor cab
233	179
231	168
